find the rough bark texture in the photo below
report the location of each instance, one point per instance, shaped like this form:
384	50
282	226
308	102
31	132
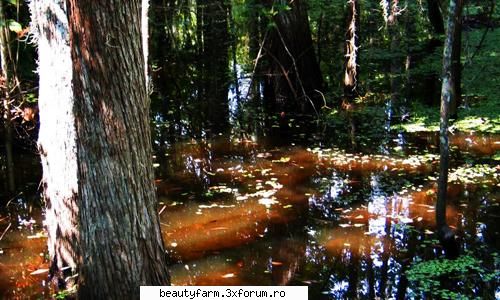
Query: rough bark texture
444	232
57	134
121	241
294	73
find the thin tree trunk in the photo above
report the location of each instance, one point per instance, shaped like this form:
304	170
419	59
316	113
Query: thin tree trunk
456	63
444	232
121	241
7	116
57	136
351	51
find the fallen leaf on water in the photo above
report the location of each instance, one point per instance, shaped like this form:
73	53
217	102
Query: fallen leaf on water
427	231
228	275
267	201
219	228
276	263
345	225
39	271
405	220
36	236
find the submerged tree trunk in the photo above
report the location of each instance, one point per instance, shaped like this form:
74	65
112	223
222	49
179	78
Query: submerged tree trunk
7	116
445	234
293	74
351	50
121	242
57	136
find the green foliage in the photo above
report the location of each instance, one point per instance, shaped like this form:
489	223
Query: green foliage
14	26
12	2
430	277
481	78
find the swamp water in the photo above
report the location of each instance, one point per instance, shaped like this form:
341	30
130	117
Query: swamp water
349	223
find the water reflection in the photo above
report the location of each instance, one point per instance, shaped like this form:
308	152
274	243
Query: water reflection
238	212
360	220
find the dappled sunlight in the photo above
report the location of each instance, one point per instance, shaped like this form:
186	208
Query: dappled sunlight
236	213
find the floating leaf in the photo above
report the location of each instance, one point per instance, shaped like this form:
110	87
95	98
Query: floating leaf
219	228
39	271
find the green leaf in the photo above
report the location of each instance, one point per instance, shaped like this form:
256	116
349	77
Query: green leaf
13	2
14	26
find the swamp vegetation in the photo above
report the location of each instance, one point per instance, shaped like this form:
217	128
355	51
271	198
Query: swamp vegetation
293	143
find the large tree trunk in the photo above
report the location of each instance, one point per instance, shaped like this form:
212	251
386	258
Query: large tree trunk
57	136
445	234
120	231
295	76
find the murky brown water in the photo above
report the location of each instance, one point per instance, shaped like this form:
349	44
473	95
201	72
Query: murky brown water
235	212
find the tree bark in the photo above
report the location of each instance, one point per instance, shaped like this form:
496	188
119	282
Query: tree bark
351	50
444	232
57	136
456	63
294	73
120	231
